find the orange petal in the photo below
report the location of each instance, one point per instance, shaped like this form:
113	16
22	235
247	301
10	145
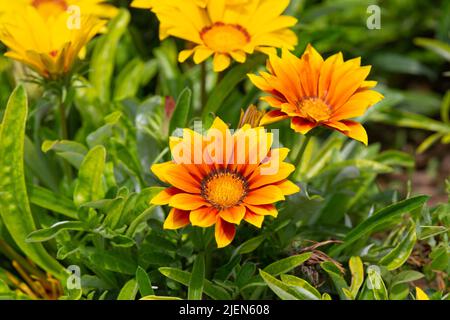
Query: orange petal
265	195
302	125
203	217
356	131
233	214
164	196
288	187
254	219
224	232
160	169
265	174
176	219
186	201
264	210
272	116
179	177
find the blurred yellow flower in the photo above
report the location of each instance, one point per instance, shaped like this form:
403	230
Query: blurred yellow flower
226	29
48	35
421	295
315	92
223	178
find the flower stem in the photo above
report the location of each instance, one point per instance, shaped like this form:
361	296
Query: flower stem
300	154
64	134
203	85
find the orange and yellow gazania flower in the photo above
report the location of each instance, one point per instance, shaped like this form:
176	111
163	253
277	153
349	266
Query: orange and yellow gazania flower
222	178
315	92
224	29
46	35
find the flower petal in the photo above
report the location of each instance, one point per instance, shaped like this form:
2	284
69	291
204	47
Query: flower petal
224	232
176	219
254	219
186	201
302	125
203	217
233	215
288	187
221	62
164	196
273	116
263	210
265	195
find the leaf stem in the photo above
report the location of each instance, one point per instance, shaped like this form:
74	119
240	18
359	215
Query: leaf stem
300	154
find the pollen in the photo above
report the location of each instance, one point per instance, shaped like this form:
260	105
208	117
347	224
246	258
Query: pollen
315	109
224	188
225	38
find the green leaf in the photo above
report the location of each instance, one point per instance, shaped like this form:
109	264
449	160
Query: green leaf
398	256
282	290
128	291
405	277
395	158
73	152
103	57
54	230
428	142
184	278
182	110
144	283
227	85
336	277
287	264
361	164
357	270
378	218
14	204
303	288
128	81
375	283
431	231
250	245
153	297
89	185
439	47
195	288
45	198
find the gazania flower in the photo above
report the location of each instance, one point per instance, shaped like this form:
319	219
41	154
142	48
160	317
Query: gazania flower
315	92
40	36
225	29
222	178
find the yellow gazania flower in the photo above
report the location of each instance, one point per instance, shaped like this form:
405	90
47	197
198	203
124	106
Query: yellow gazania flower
225	29
43	40
315	92
48	8
222	178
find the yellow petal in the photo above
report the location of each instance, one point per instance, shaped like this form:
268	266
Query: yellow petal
263	210
302	125
186	201
253	218
264	195
288	187
421	295
273	116
164	196
221	62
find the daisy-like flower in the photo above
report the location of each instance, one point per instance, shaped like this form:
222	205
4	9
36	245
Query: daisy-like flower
47	36
222	178
315	92
225	29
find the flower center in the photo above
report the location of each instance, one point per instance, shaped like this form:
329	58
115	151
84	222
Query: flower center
224	38
315	109
48	8
224	188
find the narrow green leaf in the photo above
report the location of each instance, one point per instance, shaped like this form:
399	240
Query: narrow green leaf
282	290
250	245
381	216
14	204
182	110
226	86
153	297
129	291
303	288
103	57
45	198
357	270
54	230
184	277
338	280
195	288
287	264
398	256
128	81
89	185
144	283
